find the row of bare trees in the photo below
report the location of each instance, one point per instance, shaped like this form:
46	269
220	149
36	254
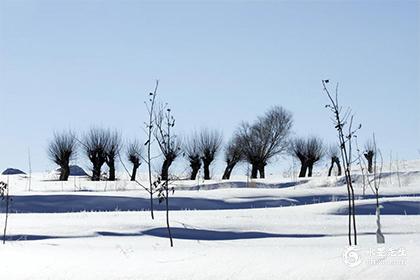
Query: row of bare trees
101	146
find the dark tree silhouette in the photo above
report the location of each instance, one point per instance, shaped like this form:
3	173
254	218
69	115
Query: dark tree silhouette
308	151
314	152
193	154
369	154
209	143
298	150
265	139
134	155
113	147
233	155
61	150
167	141
333	154
95	146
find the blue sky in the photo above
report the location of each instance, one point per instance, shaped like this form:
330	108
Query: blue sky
75	64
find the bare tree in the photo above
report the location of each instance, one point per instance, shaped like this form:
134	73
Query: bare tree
333	154
314	152
95	146
344	120
233	155
134	155
61	150
168	143
308	151
265	139
209	142
193	154
369	153
150	127
373	181
298	150
113	148
170	149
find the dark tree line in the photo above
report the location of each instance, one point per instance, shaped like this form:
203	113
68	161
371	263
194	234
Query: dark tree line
99	145
255	143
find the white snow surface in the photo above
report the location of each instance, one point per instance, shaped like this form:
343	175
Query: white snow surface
274	228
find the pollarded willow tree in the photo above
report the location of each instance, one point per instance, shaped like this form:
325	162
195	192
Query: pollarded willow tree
113	147
169	144
233	155
193	155
209	143
266	138
297	150
308	151
369	154
95	146
61	150
134	155
314	152
333	155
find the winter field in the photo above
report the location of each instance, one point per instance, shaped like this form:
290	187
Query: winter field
276	228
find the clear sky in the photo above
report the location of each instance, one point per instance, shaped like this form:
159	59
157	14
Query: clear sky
74	64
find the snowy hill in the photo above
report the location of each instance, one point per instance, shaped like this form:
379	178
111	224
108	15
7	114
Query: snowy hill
276	228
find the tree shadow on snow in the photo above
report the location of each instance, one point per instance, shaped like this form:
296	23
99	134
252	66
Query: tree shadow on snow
64	203
212	235
192	234
177	233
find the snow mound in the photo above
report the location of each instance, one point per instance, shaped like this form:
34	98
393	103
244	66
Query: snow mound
75	170
12	171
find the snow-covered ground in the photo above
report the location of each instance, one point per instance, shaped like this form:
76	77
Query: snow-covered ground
277	228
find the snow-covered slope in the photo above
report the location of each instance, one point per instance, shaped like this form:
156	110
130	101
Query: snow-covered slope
277	228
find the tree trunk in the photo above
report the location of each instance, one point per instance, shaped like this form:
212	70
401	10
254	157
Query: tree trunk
64	172
111	166
206	166
310	167
194	173
96	172
134	173
338	167
228	171
261	170
303	169
254	171
370	169
167	215
164	174
331	167
369	158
